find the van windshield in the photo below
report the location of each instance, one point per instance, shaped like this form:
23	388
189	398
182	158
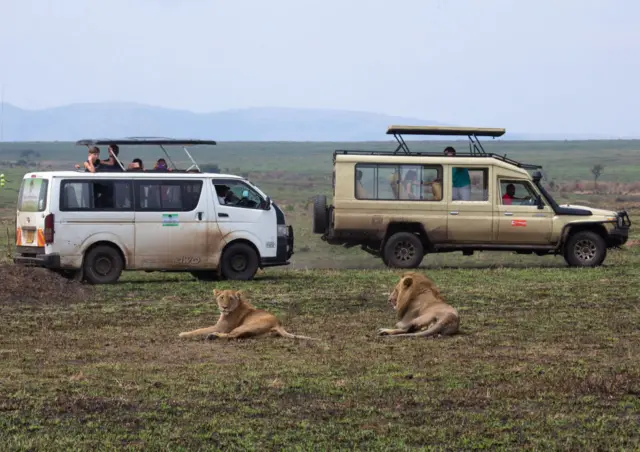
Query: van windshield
33	195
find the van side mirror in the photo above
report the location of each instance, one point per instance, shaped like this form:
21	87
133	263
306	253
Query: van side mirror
268	203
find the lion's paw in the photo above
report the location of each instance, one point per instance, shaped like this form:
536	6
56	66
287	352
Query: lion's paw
384	331
212	336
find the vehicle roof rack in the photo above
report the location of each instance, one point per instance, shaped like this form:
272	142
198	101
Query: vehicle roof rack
150	141
475	147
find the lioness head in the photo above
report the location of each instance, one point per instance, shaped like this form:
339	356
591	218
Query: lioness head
227	300
410	285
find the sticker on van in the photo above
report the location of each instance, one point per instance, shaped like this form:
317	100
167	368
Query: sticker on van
170	219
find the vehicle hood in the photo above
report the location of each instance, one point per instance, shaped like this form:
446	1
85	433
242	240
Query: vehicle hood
594	211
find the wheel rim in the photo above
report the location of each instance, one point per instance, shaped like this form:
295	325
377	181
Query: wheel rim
238	263
585	250
103	265
404	251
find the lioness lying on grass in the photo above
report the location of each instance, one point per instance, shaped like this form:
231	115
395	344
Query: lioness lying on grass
238	319
419	304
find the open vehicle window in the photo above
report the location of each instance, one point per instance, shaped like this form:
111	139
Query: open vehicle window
517	193
33	195
398	182
235	193
168	195
99	195
469	184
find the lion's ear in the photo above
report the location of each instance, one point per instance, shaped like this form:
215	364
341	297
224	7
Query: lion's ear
407	281
216	293
240	293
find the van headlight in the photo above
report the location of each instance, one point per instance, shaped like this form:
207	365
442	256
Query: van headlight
282	230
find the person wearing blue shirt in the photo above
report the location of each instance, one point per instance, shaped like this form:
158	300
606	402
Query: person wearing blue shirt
460	180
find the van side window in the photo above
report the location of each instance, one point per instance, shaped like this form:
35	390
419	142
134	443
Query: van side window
102	195
518	193
398	182
469	184
235	193
168	195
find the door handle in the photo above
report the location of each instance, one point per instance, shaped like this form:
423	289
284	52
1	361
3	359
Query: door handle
200	216
508	214
454	212
223	215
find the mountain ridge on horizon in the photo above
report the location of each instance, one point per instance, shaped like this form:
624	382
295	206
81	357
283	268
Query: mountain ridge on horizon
120	119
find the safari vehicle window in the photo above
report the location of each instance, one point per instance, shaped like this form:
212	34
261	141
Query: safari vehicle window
235	193
469	184
168	195
33	195
519	193
78	195
398	182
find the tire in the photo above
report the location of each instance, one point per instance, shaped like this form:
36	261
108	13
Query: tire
320	214
585	249
102	265
206	275
239	262
71	275
403	250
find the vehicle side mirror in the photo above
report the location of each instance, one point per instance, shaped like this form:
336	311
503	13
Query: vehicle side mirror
268	203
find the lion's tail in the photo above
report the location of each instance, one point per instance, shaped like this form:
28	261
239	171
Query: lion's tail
282	332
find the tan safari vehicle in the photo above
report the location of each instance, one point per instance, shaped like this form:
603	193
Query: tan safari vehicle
401	205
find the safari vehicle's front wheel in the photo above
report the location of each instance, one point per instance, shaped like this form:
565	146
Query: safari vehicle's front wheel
585	249
403	250
239	262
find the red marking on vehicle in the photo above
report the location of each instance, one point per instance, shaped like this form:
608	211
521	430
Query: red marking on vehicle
522	223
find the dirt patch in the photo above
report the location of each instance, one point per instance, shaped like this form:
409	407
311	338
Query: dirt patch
31	284
632	243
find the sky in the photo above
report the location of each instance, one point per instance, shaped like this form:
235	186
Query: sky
544	66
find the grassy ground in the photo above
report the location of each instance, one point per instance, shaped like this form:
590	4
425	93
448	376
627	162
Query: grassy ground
547	358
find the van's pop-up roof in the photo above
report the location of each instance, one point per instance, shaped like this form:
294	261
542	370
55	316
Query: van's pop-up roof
150	141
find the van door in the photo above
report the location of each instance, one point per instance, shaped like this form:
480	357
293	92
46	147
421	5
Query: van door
469	205
240	211
520	220
170	224
33	207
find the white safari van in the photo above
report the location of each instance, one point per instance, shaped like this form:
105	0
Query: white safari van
94	225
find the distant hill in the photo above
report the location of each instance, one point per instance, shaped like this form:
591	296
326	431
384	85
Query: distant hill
89	120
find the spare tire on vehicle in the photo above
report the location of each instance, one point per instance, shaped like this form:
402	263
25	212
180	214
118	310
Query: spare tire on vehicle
320	214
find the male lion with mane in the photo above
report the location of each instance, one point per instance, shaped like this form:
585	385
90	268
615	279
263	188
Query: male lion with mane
238	319
420	305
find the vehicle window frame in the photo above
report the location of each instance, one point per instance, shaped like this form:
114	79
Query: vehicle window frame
530	188
398	168
486	172
215	182
62	198
46	183
138	183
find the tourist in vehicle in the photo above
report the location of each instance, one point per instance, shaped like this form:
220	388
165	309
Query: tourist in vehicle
93	163
161	165
111	164
461	180
136	165
361	193
410	181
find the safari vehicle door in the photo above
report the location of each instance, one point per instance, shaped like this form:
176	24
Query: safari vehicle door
244	213
470	209
34	224
524	217
171	224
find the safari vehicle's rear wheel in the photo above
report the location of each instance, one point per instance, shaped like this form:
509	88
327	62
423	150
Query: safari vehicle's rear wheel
403	250
239	262
320	214
102	265
585	249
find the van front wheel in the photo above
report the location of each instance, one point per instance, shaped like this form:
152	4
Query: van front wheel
239	262
102	265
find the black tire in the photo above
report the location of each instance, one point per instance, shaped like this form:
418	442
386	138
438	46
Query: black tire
320	214
239	262
71	275
585	249
206	275
403	250
102	265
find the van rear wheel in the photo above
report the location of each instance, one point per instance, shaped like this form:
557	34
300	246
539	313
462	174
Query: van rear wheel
239	262
102	265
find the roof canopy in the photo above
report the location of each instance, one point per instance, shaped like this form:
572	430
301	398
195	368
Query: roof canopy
442	130
142	141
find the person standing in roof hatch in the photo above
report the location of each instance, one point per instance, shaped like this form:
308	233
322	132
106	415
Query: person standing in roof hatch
461	180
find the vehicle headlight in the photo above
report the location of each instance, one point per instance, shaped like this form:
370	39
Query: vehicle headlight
282	230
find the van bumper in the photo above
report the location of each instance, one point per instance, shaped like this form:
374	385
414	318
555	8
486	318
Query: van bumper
38	260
